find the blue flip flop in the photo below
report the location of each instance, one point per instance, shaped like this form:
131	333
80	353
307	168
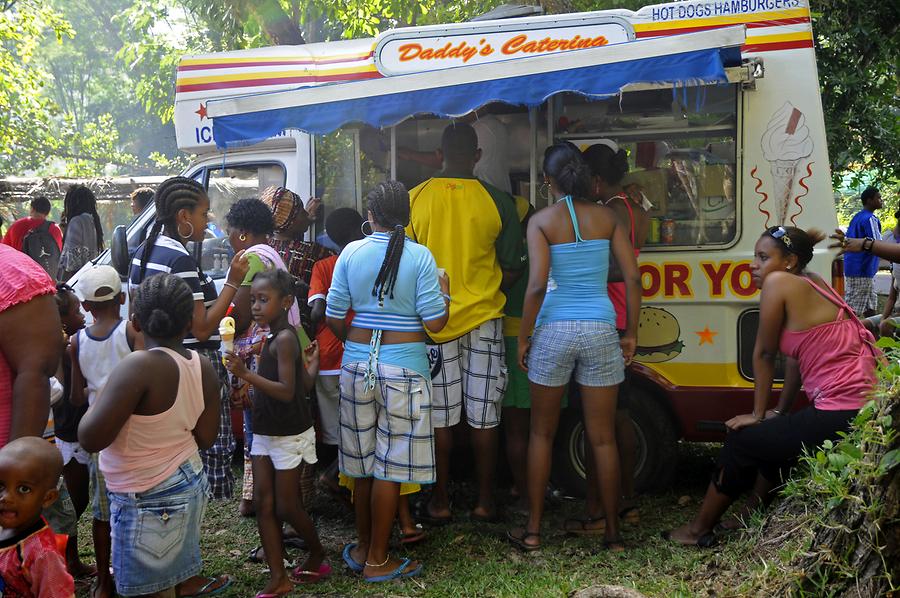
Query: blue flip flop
348	558
397	573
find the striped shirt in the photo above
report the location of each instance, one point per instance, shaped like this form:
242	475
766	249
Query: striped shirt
170	256
417	295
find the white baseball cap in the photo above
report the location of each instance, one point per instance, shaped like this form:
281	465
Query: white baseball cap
98	284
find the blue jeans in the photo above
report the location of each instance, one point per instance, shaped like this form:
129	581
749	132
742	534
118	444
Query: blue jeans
156	533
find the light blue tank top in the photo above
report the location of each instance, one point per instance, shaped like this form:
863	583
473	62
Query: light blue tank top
576	289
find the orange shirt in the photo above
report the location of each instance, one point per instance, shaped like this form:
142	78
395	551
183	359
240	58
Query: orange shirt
331	350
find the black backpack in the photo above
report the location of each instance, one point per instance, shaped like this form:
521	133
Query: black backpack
40	246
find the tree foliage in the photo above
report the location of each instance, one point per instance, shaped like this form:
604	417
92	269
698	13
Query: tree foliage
858	52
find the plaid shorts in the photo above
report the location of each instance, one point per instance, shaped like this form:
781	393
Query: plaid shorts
217	458
99	493
472	370
386	432
859	292
590	349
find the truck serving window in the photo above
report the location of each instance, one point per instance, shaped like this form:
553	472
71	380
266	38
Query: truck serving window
681	148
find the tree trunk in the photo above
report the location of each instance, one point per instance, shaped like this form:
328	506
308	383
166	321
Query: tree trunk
280	28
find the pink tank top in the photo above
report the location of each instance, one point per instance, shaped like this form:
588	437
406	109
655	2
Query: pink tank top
149	448
616	290
837	359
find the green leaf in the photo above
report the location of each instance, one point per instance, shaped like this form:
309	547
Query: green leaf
890	460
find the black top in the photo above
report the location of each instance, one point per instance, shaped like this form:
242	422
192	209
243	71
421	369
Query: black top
67	416
272	417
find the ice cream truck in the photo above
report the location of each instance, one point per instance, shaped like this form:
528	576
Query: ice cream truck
716	102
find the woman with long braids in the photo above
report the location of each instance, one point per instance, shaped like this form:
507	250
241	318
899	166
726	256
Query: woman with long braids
83	235
386	429
182	213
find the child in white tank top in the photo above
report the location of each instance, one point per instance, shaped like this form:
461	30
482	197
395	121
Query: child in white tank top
96	351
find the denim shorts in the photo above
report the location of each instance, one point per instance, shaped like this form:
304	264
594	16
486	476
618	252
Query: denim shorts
588	348
156	534
99	493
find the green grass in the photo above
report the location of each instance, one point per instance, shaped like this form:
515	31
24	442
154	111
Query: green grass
474	559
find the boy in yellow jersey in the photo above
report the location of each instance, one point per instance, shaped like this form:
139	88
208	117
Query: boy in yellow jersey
473	231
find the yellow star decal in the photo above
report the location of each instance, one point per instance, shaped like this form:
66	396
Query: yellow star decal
706	335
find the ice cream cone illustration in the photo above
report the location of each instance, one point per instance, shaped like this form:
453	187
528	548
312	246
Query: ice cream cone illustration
785	144
226	331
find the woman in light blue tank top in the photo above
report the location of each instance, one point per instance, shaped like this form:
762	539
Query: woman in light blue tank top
569	246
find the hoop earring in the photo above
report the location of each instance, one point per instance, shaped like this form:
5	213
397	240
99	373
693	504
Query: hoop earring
242	237
187	236
362	228
544	191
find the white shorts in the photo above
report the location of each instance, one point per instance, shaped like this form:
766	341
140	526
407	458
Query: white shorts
72	450
328	398
286	452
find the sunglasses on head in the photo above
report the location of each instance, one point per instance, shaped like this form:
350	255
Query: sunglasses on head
780	233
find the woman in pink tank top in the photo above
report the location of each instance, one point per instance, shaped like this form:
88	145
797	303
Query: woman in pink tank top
828	350
158	408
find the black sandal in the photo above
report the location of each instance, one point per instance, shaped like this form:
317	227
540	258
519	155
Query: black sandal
519	540
614	545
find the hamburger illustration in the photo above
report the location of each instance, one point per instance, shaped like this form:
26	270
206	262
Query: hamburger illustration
658	337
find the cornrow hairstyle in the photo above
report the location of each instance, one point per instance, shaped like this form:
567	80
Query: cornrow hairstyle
605	163
81	200
280	280
797	241
174	194
389	204
250	215
163	305
563	163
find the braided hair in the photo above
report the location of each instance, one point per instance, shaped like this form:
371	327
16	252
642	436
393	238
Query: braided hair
174	194
63	292
81	200
389	204
163	305
279	280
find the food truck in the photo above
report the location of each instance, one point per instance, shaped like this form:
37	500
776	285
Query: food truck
716	102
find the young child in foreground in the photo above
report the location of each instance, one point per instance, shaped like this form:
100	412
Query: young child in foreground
31	564
157	409
283	434
96	351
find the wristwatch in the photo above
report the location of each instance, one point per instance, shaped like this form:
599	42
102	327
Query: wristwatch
867	244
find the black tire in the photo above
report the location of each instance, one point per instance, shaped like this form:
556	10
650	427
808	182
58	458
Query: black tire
657	446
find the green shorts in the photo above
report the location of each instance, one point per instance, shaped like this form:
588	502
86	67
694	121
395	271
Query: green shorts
518	395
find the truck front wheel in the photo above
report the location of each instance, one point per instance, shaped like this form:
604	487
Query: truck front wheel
656	453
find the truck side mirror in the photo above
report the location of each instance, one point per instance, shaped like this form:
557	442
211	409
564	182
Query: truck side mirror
118	252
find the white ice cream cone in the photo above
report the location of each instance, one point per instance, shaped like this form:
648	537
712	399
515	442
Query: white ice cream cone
783	182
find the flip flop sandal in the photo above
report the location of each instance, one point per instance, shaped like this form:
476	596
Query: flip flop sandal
207	588
253	556
630	515
408	539
348	558
421	514
707	540
495	518
300	576
398	573
614	545
578	526
519	540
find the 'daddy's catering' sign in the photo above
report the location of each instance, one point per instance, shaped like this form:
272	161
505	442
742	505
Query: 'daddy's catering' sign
398	52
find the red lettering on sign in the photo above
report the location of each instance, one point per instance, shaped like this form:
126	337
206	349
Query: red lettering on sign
677	277
409	51
716	273
651	281
741	281
513	45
